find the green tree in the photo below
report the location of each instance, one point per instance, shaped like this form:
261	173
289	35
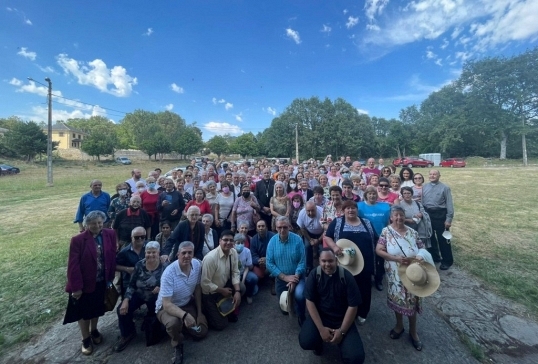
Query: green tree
217	145
100	142
189	141
26	140
245	145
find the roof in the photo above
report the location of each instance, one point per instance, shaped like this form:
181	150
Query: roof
63	127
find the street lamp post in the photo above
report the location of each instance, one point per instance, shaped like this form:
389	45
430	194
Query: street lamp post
49	131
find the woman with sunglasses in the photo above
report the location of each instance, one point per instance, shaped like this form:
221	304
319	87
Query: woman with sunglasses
384	193
386	172
418	179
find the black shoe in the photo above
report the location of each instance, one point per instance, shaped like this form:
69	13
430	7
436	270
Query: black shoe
437	260
96	336
444	266
396	335
417	344
379	286
319	351
123	342
232	317
179	355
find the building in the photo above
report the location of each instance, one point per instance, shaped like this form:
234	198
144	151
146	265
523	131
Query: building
67	137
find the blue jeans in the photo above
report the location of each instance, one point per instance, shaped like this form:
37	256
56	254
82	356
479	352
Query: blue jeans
300	300
250	283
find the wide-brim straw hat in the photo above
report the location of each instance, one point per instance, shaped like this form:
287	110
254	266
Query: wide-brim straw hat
351	257
420	278
286	302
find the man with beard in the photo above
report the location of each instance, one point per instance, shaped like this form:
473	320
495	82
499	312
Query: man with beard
136	176
263	193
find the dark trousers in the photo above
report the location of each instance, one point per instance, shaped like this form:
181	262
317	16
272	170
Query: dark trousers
309	250
351	348
379	269
125	322
209	307
439	243
364	282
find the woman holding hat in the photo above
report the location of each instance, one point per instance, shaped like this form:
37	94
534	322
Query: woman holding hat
410	272
363	236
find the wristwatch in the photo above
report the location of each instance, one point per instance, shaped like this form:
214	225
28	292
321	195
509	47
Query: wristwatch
341	332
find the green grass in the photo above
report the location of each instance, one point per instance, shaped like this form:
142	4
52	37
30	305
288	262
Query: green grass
494	235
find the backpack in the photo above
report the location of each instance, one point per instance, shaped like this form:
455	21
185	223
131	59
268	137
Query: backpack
341	273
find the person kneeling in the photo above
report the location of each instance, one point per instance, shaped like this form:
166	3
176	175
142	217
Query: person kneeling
332	297
249	280
176	308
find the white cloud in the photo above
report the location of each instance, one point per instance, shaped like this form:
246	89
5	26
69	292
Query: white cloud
214	100
362	111
222	128
445	43
351	22
98	111
25	53
28	21
20	14
96	74
47	69
326	29
374	7
345	11
293	34
373	27
148	32
239	117
15	82
177	88
430	55
270	110
221	101
169	107
228	106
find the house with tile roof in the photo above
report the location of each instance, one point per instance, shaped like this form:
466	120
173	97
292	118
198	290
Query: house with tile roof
67	137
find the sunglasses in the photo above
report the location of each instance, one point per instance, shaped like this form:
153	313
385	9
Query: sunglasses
139	237
384	186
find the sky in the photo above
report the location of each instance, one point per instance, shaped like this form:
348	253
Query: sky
233	66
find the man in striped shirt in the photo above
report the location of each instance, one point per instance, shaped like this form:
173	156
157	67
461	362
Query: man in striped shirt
286	261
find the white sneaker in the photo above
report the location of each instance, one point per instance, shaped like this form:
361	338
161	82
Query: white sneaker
360	321
249	300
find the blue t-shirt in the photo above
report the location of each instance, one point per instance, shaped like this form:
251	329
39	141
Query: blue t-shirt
378	214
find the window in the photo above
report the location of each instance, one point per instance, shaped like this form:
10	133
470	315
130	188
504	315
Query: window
74	135
61	133
79	136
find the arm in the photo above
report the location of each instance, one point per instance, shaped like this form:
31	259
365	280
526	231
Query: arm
81	211
381	250
288	209
254	249
325	332
338	335
216	215
198	302
329	238
449	207
74	273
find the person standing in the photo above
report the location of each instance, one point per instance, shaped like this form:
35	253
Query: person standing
96	199
437	200
171	204
370	170
136	176
263	193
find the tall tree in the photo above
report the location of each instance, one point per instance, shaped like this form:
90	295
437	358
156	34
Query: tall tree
217	145
189	141
26	140
245	145
100	142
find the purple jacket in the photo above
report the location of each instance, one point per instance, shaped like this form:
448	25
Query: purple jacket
82	263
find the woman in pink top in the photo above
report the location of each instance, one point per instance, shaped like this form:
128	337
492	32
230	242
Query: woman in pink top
384	194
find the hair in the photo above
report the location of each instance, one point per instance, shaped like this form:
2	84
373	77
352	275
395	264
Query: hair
140	183
347	182
185	244
335	188
208	216
397	208
200	189
384	179
136	197
411	174
289	189
227	232
120	186
150	179
94	215
282	219
164	222
327	250
318	190
355	177
153	245
395	177
243	223
386	168
192	209
420	174
239	237
211	183
349	203
224	184
370	189
408	189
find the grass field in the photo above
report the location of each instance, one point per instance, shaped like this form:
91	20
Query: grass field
494	235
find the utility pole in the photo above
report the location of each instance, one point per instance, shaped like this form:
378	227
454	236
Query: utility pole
296	144
49	137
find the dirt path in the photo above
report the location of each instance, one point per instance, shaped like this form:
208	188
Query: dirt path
461	308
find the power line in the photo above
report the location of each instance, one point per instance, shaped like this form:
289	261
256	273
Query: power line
77	107
86	103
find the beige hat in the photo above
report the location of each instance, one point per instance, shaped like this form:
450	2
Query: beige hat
420	278
351	257
286	304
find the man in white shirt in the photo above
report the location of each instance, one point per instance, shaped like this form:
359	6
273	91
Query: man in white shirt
309	222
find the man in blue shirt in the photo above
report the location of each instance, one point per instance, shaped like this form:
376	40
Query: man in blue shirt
286	261
96	199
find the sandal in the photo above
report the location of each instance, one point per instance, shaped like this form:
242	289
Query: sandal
396	335
417	344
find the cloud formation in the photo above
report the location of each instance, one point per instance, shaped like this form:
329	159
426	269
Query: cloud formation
20	14
219	128
270	110
148	32
177	88
326	29
114	81
239	117
228	106
352	21
26	54
169	107
294	35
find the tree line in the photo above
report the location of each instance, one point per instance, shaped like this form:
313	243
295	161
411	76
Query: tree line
490	110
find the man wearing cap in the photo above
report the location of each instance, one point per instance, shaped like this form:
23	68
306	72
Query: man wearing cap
331	301
286	262
309	220
437	200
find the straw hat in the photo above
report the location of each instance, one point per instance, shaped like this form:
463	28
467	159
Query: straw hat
351	258
286	304
420	278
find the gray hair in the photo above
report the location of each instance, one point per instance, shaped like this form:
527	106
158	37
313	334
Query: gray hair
193	209
243	223
397	208
211	183
185	244
239	237
282	219
208	216
153	245
94	215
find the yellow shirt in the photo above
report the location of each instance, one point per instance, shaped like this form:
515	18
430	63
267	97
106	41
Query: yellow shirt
216	270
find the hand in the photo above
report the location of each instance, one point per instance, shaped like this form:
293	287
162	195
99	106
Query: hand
419	258
124	307
76	295
164	258
156	290
314	242
337	251
403	261
326	334
165	202
253	204
448	225
291	287
291	279
226	292
218	223
419	215
130	270
189	321
174	212
261	261
237	299
267	210
337	337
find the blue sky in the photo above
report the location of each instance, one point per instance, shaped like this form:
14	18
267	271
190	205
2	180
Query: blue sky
232	66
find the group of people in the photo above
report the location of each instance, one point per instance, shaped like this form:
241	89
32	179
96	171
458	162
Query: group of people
192	245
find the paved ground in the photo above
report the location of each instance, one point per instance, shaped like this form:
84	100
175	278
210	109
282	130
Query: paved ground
264	335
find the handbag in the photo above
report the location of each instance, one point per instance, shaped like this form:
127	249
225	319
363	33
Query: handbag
111	297
255	217
153	330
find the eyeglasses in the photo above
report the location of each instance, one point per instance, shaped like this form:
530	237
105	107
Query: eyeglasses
231	240
384	186
139	237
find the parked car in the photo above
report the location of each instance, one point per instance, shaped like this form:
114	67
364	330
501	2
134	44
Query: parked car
453	163
412	162
7	169
123	160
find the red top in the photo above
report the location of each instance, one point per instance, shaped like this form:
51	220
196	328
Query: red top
204	207
149	202
389	199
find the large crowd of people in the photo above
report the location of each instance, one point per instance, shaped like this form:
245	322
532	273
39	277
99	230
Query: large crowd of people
193	245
